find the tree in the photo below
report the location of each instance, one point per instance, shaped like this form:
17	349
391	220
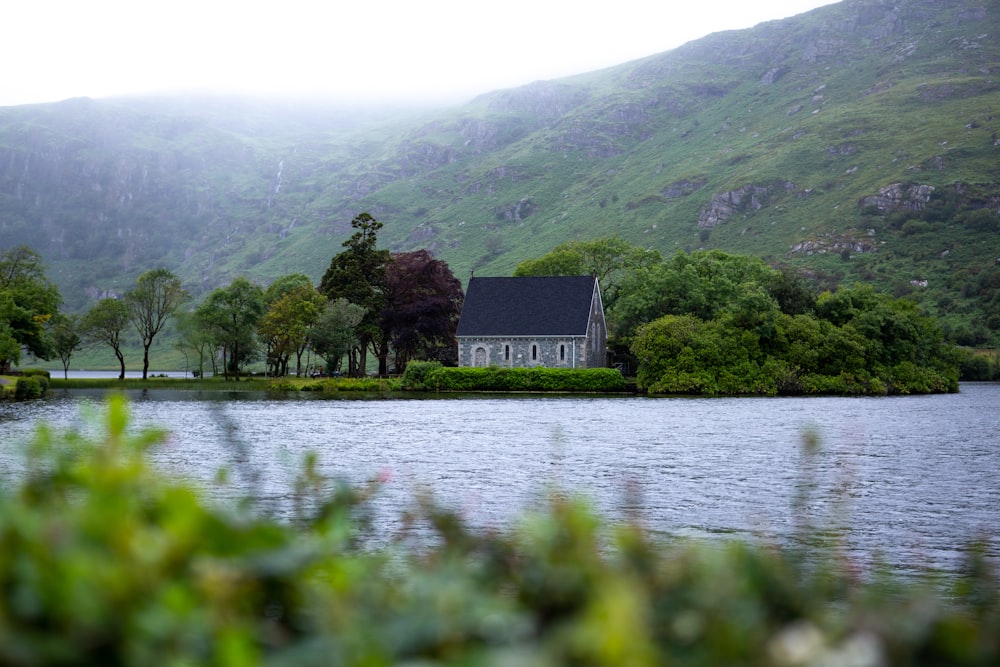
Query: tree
700	284
193	338
335	332
423	303
230	315
27	302
10	348
610	259
157	294
292	307
66	339
358	275
104	324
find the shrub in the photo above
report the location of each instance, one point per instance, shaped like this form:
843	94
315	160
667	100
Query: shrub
27	388
536	379
977	367
415	377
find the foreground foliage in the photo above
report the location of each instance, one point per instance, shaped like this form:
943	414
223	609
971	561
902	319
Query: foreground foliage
104	561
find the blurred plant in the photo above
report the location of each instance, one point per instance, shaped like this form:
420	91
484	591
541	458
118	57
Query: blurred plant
105	561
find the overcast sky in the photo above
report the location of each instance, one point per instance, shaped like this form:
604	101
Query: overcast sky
434	50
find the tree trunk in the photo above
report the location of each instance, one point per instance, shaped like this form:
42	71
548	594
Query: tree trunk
383	358
362	361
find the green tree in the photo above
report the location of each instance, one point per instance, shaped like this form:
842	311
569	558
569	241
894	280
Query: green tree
335	332
700	284
681	354
610	259
284	328
104	324
358	275
792	292
10	348
230	315
27	302
66	338
155	297
193	339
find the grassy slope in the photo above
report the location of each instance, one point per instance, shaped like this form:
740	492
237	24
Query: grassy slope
832	105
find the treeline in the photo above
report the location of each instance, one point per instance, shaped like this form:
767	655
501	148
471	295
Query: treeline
397	305
105	561
700	323
713	323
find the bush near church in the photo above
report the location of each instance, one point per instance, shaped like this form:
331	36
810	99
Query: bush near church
432	376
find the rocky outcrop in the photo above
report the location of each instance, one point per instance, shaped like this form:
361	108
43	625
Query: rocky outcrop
747	198
517	211
605	132
836	243
415	157
684	187
492	180
771	76
898	197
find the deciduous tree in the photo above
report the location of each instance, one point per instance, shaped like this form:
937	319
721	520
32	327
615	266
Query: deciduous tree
194	339
610	259
155	297
231	315
27	301
104	324
335	332
66	339
285	325
423	303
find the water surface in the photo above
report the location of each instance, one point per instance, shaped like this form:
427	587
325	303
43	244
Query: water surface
910	479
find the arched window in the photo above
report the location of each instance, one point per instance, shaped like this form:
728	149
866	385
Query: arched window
562	352
534	352
506	352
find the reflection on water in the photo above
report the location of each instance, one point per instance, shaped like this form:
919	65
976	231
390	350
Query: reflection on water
910	479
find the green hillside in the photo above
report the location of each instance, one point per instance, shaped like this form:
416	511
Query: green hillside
857	141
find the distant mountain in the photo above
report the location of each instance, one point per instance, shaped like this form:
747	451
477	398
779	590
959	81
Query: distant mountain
858	141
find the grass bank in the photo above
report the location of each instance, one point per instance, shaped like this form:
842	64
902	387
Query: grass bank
254	383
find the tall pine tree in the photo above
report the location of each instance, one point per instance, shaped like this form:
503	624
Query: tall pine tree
358	274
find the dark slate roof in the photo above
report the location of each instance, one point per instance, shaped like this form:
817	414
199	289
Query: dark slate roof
529	306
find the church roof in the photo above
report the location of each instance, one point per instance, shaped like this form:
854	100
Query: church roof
527	306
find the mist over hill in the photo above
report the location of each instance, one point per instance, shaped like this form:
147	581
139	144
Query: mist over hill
857	141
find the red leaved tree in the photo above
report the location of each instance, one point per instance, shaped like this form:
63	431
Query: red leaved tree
423	303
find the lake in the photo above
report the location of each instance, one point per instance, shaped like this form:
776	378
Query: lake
911	480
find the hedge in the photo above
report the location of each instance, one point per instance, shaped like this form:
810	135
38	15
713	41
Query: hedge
431	376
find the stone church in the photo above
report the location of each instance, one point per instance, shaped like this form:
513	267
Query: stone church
553	321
